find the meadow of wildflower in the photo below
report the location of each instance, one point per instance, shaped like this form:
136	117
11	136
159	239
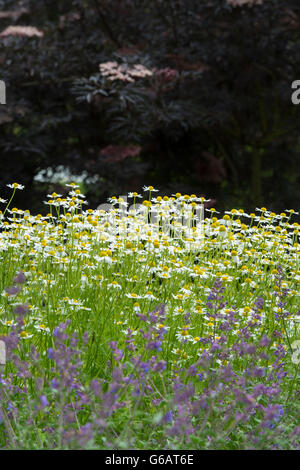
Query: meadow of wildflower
154	324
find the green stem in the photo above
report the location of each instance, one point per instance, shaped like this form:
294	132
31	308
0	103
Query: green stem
292	386
9	201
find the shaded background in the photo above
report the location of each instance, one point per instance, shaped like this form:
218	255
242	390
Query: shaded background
214	118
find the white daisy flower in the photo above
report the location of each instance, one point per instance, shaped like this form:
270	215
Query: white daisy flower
15	186
150	188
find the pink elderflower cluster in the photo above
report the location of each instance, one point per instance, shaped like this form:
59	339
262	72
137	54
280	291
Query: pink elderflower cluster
117	153
167	74
68	18
114	71
28	31
240	3
13	14
165	78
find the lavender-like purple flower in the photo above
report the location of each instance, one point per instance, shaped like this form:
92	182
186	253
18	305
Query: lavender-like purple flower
44	401
13	290
20	278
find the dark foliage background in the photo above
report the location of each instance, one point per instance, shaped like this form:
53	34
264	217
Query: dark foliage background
215	118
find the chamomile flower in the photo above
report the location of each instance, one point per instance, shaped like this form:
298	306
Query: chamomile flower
9	323
42	328
25	335
72	185
114	285
178	311
149	296
15	186
134	194
133	295
150	189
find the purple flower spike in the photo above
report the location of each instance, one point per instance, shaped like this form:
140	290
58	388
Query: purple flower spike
159	366
55	383
168	418
12	290
51	354
44	401
20	278
265	341
21	309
